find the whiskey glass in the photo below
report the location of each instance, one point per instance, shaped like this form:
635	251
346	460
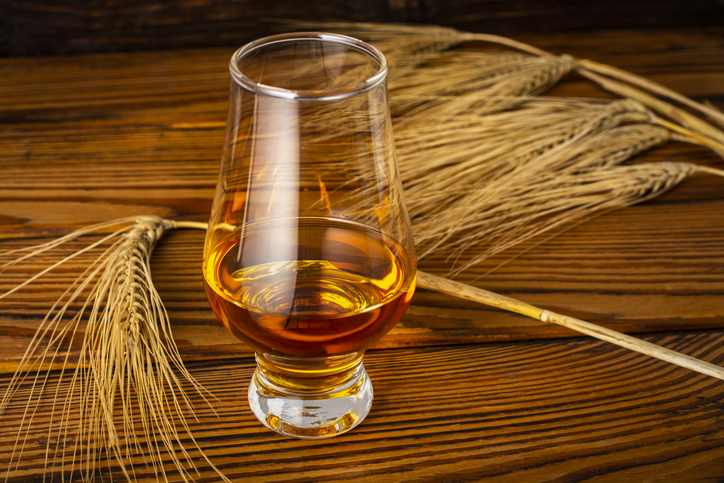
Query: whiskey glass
309	257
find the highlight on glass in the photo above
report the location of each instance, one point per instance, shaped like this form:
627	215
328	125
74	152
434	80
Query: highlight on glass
309	257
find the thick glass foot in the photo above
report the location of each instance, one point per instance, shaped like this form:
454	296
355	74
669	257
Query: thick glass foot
310	398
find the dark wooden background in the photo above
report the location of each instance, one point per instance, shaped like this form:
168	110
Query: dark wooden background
48	27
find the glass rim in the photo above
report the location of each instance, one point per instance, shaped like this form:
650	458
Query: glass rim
309	95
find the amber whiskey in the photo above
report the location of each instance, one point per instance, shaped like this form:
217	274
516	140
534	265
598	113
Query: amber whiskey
309	286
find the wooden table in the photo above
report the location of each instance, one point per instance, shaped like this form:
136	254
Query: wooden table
462	392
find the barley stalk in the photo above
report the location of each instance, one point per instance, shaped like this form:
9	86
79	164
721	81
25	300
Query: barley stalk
550	205
128	354
470	83
704	133
518	144
588	66
409	46
509	304
470	135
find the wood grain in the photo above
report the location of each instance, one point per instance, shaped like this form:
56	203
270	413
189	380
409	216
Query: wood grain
575	410
75	151
463	392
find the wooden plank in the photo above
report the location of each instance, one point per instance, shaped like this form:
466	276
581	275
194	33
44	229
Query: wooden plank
72	26
633	271
128	134
533	411
74	151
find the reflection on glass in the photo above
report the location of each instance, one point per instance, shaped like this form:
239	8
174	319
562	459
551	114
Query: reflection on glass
309	257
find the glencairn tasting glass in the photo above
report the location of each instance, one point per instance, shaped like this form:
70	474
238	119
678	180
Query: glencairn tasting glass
309	257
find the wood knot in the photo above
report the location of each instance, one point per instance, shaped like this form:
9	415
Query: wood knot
545	316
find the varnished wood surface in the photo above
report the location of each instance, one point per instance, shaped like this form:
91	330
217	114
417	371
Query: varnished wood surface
463	392
575	410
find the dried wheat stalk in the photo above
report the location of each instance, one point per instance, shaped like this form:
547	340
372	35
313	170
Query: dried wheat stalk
550	204
409	46
513	175
586	67
470	136
470	83
536	137
479	295
128	354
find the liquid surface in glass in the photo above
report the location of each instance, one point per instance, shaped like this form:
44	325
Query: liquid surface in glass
309	286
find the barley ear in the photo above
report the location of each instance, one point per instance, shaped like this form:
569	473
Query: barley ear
127	355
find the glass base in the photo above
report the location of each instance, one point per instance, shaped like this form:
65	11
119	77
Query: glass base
299	397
